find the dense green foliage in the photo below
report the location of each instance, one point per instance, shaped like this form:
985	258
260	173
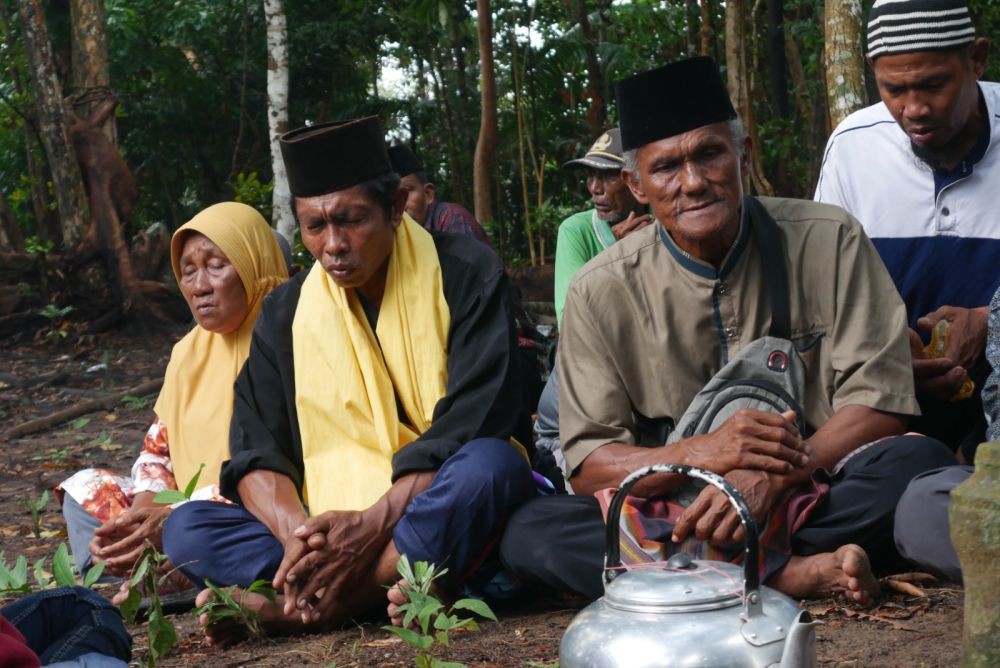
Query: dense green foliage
191	79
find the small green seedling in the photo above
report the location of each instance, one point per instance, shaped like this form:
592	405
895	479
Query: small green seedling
14	578
433	623
144	580
35	507
54	456
225	606
133	403
171	496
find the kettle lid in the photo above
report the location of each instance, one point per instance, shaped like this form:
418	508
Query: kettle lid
681	585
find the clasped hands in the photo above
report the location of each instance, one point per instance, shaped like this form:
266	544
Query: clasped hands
323	557
762	454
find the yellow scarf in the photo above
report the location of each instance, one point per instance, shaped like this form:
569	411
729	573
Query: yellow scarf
196	402
344	381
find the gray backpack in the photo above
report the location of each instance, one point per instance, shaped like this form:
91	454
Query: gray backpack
768	375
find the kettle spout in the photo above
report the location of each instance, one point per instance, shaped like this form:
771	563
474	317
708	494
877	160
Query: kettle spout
800	644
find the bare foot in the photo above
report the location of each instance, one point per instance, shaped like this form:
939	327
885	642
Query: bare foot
845	571
273	619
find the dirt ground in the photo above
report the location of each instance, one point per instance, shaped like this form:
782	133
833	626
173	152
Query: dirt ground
904	630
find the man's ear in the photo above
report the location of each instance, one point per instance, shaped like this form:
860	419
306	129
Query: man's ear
398	207
429	191
635	186
978	51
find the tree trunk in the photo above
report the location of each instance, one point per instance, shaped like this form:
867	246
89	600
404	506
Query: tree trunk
843	57
66	179
776	58
11	237
486	145
277	113
691	14
739	89
521	140
598	115
89	78
706	28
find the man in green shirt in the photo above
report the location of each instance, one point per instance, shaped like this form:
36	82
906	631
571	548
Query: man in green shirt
615	215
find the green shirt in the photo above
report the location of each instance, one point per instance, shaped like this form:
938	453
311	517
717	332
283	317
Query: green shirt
581	236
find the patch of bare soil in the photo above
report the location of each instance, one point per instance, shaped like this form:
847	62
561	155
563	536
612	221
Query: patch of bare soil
909	628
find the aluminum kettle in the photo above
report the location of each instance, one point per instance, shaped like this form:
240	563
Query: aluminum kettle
687	612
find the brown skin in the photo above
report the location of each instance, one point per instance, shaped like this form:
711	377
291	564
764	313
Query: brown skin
614	202
935	99
419	197
693	184
218	302
351	236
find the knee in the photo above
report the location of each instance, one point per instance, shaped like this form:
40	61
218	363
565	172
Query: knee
488	461
917	454
180	543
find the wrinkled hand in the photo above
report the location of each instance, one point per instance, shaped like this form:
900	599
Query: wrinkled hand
966	332
630	225
119	542
712	517
322	558
750	439
939	378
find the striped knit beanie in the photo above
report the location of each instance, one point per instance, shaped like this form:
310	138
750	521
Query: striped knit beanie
905	26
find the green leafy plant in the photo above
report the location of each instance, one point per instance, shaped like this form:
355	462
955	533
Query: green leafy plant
170	496
35	507
144	580
135	403
15	581
427	623
225	606
54	455
34	246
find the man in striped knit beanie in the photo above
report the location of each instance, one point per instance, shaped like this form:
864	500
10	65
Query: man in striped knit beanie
920	171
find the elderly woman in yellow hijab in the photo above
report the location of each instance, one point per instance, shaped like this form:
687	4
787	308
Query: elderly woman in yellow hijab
226	260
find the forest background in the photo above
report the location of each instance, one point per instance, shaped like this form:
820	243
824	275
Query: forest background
494	95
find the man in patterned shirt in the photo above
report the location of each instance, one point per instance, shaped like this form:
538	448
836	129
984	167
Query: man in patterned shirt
421	203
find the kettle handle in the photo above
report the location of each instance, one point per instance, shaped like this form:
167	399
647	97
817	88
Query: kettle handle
751	574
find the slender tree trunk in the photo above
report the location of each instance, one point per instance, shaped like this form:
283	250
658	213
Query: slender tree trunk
11	237
277	113
842	55
706	28
691	15
66	179
776	57
90	80
598	115
521	140
739	87
486	146
464	98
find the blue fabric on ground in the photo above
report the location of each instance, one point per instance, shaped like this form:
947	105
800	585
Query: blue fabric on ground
452	523
67	623
224	543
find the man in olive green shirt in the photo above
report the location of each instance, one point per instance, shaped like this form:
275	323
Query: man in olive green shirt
615	215
649	322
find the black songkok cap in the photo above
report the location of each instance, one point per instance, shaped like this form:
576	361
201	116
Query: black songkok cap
404	161
908	26
322	158
671	100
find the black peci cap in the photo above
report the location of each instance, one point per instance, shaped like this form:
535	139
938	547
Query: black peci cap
671	100
404	161
332	156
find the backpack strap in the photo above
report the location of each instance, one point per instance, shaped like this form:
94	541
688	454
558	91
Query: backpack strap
775	266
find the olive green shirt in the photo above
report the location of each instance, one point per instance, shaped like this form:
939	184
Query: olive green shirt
646	326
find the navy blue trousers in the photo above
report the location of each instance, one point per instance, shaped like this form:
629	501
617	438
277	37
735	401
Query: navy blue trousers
452	523
69	622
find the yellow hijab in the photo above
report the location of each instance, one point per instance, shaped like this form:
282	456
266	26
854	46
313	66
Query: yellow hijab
196	402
